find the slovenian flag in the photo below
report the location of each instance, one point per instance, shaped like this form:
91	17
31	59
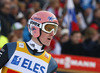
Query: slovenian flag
72	21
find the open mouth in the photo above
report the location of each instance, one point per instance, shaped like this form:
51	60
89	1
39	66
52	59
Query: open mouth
49	38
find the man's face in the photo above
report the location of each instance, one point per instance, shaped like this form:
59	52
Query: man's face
76	38
19	33
46	38
6	9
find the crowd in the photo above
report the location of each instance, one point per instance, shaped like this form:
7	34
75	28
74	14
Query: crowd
85	42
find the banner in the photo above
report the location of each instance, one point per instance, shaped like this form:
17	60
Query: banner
70	62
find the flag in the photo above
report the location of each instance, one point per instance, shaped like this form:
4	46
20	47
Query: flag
70	17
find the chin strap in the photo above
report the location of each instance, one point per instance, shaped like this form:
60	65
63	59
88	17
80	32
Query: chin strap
39	38
40	41
42	47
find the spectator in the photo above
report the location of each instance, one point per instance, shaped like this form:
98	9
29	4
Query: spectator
22	7
94	26
97	4
88	15
62	3
77	5
73	46
30	11
64	36
90	44
3	39
13	13
55	8
12	37
23	21
96	18
79	15
15	2
27	3
88	4
98	48
36	6
60	20
88	8
6	1
42	2
17	28
5	24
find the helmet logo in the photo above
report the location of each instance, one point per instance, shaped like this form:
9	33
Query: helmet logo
35	23
37	18
51	18
33	28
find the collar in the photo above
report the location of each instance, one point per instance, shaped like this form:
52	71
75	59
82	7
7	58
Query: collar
34	46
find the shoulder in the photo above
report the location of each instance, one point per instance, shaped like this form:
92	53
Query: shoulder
52	65
12	44
53	62
11	48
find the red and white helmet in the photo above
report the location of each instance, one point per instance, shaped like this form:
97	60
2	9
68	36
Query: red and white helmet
43	20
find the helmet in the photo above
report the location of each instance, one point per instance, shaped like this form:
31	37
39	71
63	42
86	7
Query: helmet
43	20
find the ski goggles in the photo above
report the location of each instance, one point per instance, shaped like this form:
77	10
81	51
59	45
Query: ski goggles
47	27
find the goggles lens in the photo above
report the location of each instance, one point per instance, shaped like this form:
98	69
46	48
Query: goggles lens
49	27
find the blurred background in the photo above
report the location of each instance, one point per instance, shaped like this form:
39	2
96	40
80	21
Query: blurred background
78	34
